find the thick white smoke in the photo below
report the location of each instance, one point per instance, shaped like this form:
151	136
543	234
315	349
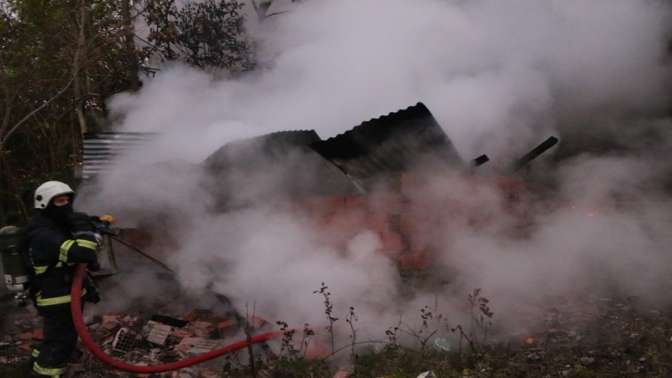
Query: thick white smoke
499	77
484	68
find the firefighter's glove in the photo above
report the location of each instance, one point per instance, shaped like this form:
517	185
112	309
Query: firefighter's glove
80	223
94	266
91	290
102	226
107	218
92	295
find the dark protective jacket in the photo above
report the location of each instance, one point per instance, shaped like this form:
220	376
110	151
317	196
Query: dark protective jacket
53	253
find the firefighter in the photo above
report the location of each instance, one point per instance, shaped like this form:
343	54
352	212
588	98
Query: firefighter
58	238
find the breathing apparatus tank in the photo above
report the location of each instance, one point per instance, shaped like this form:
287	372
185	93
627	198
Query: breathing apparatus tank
13	266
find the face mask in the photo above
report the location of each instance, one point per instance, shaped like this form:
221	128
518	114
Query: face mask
59	214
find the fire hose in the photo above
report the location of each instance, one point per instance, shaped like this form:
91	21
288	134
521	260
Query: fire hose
139	251
87	340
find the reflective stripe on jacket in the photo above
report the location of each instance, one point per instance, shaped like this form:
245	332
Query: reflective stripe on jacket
49	372
40	301
54	252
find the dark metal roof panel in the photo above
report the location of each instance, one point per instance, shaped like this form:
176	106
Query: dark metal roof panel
276	165
260	150
390	144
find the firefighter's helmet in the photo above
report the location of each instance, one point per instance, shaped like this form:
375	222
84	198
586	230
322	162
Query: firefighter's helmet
50	189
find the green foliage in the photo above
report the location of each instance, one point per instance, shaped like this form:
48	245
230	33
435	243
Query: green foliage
60	61
57	58
204	34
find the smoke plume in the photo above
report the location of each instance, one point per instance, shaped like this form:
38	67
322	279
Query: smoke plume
498	76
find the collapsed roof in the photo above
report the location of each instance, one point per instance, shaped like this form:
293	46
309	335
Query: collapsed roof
389	145
299	163
280	164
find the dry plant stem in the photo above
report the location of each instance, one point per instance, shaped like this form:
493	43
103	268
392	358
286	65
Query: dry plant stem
328	311
287	337
350	319
464	336
391	333
307	333
248	333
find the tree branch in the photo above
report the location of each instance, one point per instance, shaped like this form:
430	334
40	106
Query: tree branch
75	66
3	139
9	100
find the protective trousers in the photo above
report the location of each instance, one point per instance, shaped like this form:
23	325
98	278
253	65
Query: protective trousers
60	340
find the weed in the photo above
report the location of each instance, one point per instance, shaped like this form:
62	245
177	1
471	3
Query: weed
328	311
305	339
480	324
287	341
249	330
351	318
391	334
481	317
425	332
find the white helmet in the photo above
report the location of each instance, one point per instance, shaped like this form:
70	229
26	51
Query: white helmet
50	189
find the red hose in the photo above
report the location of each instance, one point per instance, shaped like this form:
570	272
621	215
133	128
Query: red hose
76	308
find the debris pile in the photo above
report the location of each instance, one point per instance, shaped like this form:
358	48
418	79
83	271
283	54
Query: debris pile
20	330
144	340
157	339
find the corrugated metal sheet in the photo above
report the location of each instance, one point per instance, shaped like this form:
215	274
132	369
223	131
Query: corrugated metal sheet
300	164
389	145
254	152
271	166
99	149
